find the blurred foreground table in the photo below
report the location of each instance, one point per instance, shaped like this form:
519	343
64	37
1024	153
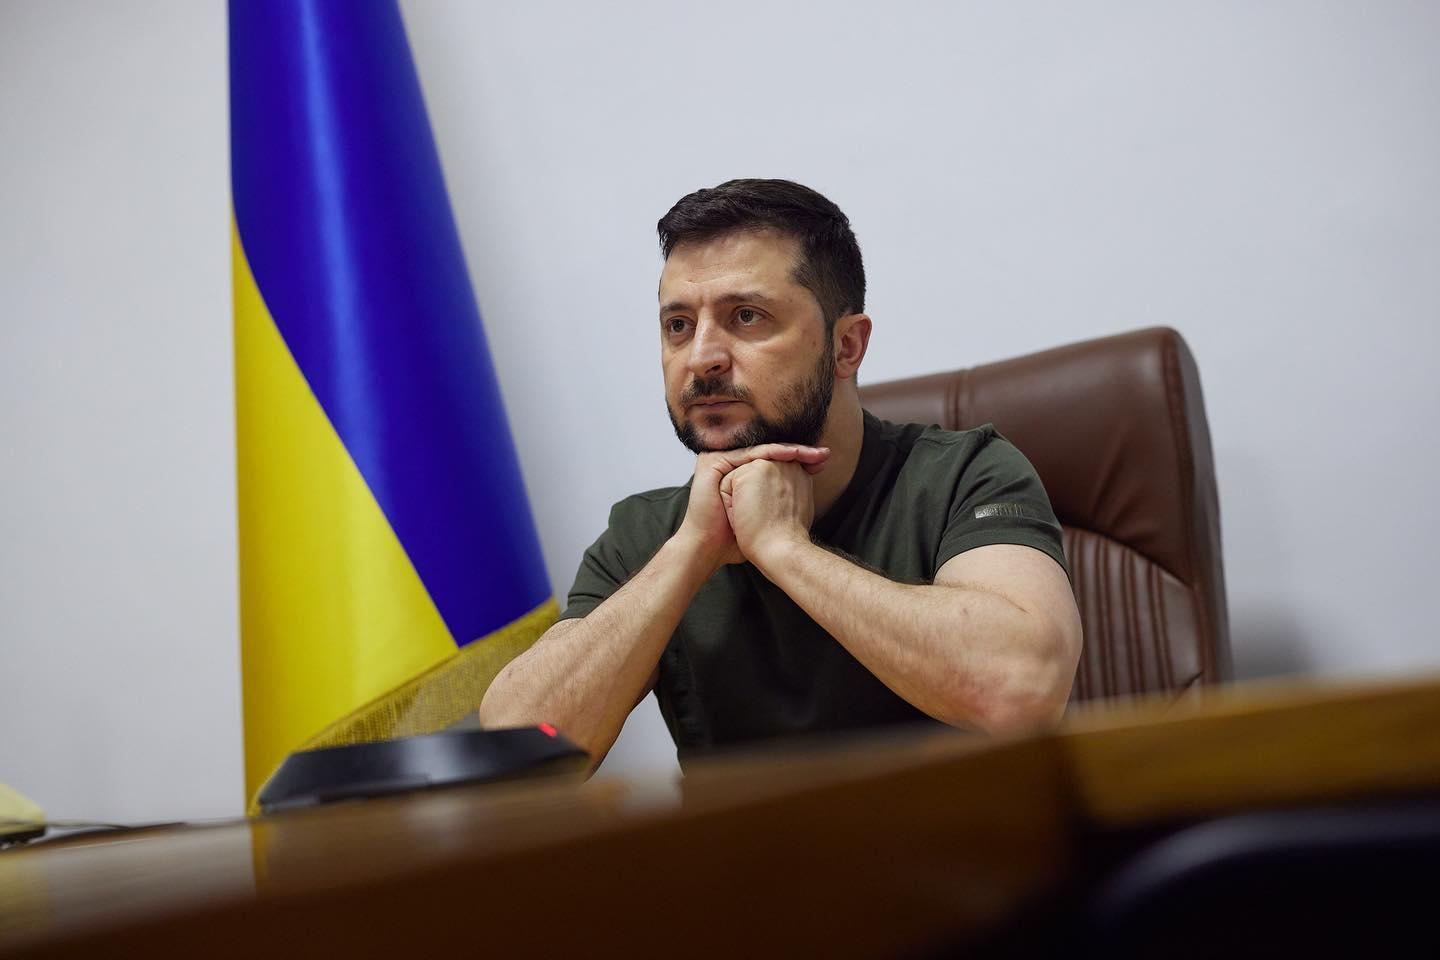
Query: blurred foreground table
892	845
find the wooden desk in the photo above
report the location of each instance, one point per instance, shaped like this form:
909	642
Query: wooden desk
868	848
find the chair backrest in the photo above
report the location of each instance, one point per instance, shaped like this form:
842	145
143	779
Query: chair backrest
1116	429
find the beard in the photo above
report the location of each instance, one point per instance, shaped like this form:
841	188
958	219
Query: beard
802	409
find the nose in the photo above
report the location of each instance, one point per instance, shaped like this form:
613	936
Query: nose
709	349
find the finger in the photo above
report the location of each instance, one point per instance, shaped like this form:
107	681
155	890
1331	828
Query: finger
813	454
727	482
725	461
788	451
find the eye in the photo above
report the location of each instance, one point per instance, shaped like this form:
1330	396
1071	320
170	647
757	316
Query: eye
676	325
747	317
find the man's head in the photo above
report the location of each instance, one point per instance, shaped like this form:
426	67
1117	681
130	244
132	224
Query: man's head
829	263
757	275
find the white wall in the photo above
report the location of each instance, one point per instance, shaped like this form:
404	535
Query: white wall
1261	176
118	654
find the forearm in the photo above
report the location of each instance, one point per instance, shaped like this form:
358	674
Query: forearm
970	657
585	676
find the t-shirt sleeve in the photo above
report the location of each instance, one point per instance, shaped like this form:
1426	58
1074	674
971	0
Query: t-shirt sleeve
602	571
999	499
638	526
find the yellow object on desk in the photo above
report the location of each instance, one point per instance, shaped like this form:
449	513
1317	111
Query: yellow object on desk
18	813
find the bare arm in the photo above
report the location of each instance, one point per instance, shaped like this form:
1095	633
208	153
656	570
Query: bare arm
992	643
585	676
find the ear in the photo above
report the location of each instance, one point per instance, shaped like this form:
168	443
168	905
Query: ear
852	337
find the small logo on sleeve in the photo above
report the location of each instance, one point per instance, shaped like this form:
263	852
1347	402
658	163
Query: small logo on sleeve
1005	509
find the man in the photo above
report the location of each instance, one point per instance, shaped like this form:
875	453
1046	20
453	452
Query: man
823	569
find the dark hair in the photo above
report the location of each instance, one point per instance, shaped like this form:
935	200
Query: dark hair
830	266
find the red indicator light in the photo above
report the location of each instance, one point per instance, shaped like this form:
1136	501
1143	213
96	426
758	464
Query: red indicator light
548	730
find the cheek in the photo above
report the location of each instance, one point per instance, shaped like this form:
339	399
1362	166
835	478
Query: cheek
674	377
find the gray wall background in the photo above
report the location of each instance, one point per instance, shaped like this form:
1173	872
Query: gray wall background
1262	176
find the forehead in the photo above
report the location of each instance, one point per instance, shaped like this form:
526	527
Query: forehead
762	260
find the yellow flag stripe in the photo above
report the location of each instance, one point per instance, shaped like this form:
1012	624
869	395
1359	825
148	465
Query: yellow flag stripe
332	613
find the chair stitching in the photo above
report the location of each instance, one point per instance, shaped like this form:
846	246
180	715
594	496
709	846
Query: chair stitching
1134	655
1077	571
1162	629
1174	398
1102	592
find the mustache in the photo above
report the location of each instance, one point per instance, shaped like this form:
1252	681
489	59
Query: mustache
703	388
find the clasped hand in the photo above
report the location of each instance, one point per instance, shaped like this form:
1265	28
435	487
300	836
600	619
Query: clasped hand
745	502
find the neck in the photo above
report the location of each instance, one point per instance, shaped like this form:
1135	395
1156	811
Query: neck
844	434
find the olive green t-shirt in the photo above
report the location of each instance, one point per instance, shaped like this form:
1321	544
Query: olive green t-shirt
746	662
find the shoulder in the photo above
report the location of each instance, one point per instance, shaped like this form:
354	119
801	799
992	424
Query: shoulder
965	443
656	512
982	449
924	447
994	494
962	465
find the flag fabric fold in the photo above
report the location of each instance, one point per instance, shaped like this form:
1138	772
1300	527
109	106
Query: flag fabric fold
389	563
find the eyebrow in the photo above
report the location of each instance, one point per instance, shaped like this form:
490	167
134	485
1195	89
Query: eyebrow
747	296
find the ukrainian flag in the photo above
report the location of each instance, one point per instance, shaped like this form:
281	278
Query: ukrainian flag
389	564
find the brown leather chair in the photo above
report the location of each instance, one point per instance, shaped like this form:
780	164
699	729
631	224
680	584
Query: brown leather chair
1116	429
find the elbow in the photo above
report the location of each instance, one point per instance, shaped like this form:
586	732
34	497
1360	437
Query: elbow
1031	692
500	705
492	708
503	706
499	712
1017	709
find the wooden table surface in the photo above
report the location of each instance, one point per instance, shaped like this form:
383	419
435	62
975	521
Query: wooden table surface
887	845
